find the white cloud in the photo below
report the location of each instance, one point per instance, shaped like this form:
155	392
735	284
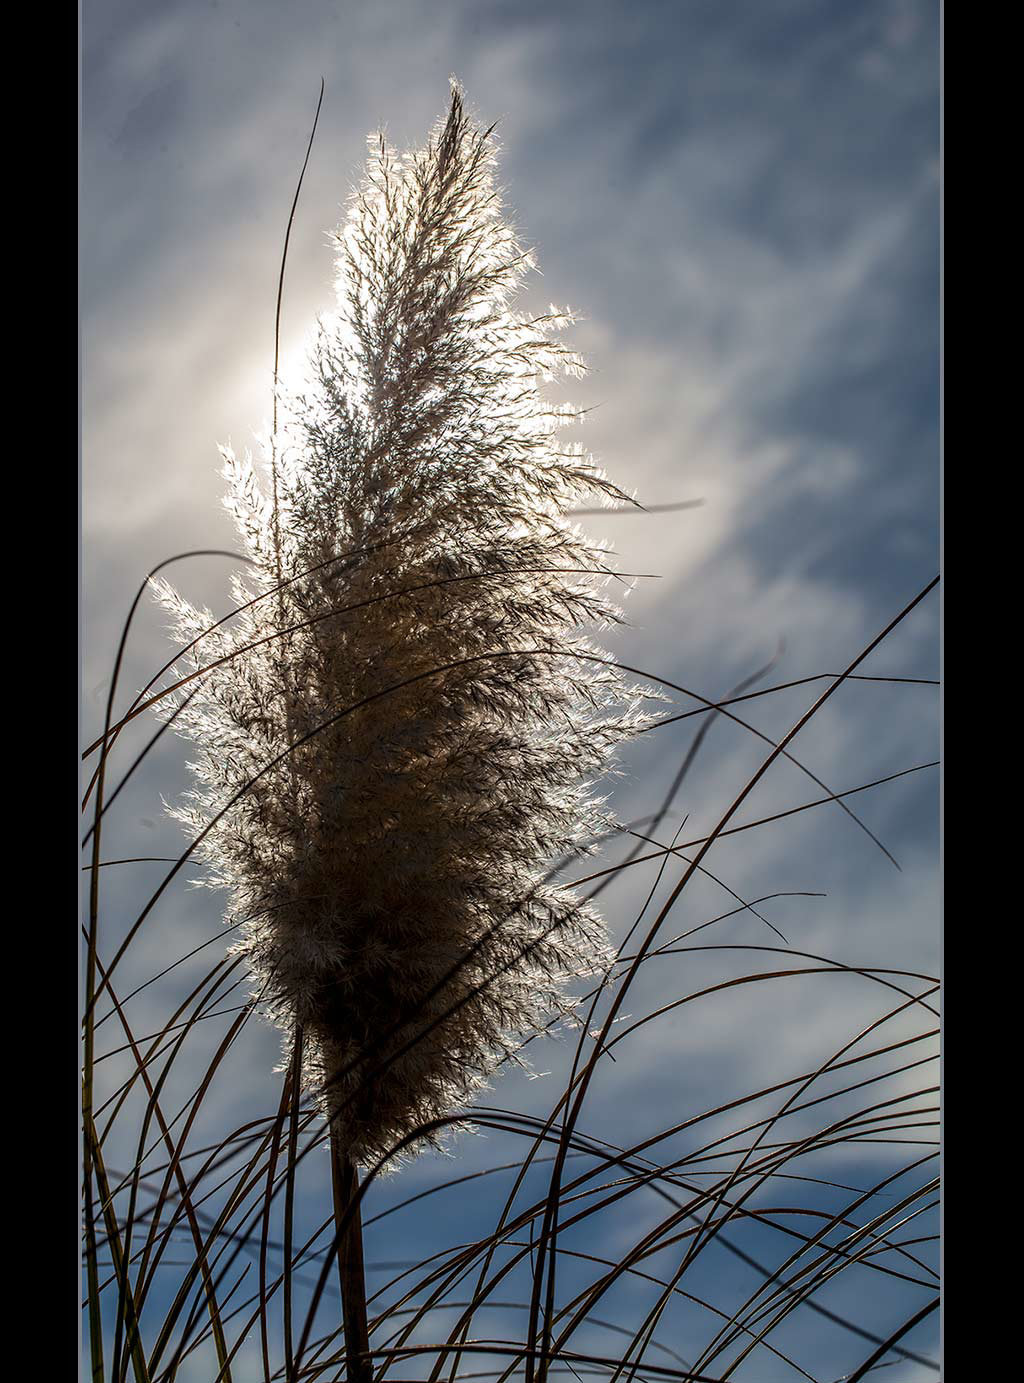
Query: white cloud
701	326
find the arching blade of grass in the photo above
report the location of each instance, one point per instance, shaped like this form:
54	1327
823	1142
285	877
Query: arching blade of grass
822	1170
547	1229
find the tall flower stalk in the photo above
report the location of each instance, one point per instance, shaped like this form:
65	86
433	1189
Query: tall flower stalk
406	715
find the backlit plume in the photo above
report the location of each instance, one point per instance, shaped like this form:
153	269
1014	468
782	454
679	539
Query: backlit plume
412	699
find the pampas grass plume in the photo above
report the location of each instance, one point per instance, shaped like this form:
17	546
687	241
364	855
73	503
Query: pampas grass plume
405	715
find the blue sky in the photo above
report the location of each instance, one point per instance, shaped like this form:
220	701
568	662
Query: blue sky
742	202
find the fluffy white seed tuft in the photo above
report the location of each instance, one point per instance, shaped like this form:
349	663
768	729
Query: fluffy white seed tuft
418	737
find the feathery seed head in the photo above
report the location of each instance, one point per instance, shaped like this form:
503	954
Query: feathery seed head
413	709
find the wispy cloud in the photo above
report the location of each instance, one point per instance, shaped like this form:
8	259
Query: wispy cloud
742	201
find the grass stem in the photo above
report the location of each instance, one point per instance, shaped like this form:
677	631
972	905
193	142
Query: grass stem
349	1232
